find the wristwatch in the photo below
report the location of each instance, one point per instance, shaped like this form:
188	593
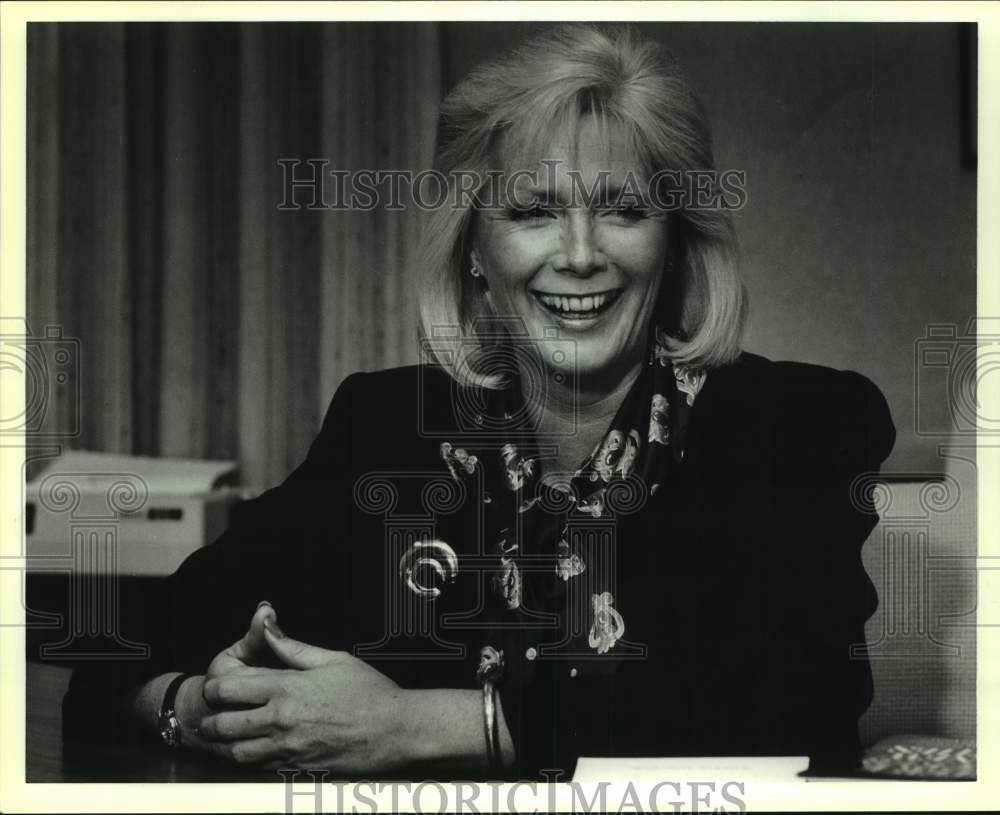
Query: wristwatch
169	724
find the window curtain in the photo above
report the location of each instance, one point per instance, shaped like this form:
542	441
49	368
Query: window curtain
211	323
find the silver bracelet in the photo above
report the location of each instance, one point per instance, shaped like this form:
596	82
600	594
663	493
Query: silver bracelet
490	717
491	668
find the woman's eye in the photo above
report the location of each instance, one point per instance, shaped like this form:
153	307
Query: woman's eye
528	213
628	213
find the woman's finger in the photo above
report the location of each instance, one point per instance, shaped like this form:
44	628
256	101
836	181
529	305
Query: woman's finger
296	654
236	688
235	725
247	751
254	643
252	647
246	670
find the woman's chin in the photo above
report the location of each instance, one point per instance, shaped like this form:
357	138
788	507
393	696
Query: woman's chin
580	358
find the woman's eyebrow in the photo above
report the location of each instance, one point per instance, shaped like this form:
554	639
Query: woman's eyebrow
521	196
599	192
608	191
618	193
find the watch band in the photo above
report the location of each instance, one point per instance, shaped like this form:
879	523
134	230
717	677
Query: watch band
169	724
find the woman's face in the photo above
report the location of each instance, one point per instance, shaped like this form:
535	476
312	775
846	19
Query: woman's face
591	271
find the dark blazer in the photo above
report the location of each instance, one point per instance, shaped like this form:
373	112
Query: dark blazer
742	576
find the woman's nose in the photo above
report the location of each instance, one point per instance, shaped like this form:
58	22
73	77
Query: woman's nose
580	254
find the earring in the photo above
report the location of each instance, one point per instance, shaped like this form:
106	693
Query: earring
475	271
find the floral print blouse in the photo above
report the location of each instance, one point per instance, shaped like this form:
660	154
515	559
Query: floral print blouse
543	568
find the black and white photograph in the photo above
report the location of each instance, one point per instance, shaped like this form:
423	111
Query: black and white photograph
442	403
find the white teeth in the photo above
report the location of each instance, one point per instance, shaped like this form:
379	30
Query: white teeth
580	305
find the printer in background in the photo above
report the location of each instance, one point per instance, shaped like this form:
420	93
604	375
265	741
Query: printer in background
153	512
103	531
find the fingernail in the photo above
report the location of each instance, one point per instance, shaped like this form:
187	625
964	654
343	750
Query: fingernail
272	626
263	603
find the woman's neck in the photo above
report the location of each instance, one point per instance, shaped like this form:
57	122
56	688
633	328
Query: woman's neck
577	401
574	414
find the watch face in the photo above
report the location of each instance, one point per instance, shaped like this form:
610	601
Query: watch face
170	731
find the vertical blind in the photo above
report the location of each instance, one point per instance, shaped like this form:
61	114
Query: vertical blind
210	322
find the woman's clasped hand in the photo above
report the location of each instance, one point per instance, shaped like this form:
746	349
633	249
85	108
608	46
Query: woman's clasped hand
320	709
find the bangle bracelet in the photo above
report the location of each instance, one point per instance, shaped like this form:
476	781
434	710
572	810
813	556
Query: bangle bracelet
490	669
492	731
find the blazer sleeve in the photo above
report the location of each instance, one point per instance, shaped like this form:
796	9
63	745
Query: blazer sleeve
269	552
835	431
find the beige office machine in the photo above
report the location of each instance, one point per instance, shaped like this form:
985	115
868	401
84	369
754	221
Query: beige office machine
135	516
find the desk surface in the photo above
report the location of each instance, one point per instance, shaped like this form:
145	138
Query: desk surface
47	760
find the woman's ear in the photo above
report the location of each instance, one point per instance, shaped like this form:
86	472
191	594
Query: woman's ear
476	270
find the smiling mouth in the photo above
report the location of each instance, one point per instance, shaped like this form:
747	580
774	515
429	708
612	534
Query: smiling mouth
574	307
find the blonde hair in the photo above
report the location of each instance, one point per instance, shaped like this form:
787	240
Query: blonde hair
546	87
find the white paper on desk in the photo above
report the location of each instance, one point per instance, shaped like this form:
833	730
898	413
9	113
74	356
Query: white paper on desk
162	476
759	769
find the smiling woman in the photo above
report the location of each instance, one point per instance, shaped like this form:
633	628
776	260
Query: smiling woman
588	271
582	528
597	269
610	113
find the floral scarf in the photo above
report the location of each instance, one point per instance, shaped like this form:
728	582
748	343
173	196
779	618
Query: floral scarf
527	521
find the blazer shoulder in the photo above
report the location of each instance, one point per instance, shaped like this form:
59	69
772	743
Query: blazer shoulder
396	408
808	386
391	389
405	379
792	375
811	403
